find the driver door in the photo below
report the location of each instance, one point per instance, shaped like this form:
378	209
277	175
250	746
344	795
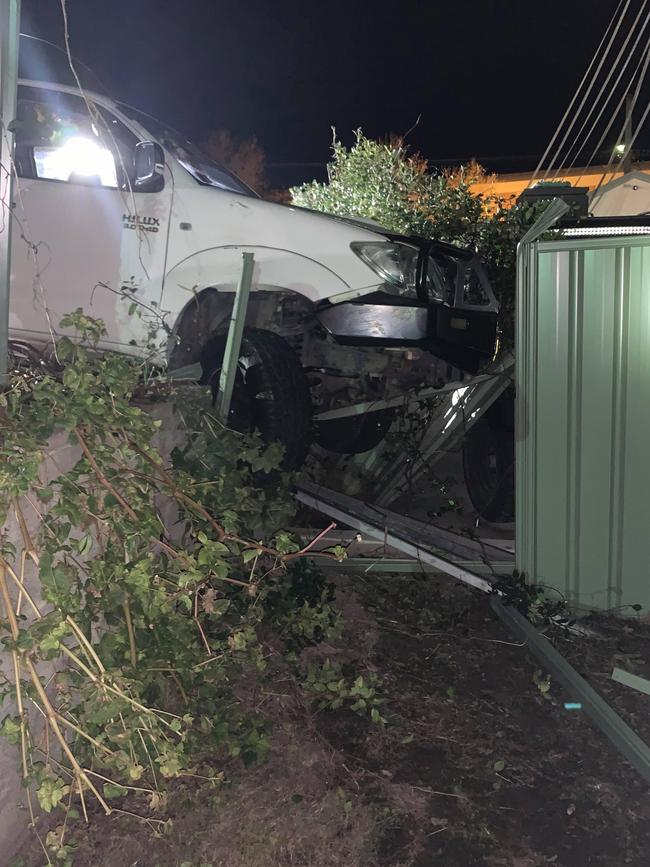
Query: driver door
85	239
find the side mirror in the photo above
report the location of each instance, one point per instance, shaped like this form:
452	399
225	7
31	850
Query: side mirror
149	166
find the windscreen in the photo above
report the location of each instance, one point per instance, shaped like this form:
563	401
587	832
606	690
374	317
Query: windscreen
202	168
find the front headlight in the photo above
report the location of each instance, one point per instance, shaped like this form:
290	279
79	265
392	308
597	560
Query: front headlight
396	264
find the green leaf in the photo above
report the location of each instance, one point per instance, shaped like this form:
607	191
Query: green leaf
51	792
186	601
71	378
339	552
220	606
113	790
52	641
10	729
105	711
250	554
135	772
170	765
44	494
285	544
85	544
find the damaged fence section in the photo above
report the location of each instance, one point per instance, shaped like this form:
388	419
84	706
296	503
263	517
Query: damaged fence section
448	554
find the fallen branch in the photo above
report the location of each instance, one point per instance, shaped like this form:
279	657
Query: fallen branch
102	478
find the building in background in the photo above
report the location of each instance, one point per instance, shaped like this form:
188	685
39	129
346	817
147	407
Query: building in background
510	186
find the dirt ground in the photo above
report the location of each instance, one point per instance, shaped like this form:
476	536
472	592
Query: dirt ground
477	765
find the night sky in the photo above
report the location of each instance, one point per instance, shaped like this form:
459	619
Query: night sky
489	78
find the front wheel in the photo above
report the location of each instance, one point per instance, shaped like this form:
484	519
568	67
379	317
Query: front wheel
271	392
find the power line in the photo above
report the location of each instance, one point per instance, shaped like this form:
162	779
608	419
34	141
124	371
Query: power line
592	83
584	79
639	126
616	111
612	91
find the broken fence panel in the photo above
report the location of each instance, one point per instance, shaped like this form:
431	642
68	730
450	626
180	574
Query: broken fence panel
359	515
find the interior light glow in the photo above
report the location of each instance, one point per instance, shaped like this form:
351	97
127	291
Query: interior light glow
78	156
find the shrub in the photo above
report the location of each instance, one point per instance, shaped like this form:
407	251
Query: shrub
386	183
146	632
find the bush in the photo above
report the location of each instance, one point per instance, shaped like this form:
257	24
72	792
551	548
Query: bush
147	632
384	182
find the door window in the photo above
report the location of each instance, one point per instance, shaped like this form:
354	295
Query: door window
57	139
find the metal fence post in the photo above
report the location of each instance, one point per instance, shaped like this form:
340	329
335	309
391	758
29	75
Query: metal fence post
9	42
233	343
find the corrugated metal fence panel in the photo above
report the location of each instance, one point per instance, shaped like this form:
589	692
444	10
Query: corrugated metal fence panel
583	374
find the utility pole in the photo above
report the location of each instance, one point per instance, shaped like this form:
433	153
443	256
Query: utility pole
626	162
9	42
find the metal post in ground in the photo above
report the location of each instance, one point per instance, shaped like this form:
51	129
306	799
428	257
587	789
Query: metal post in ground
233	343
9	41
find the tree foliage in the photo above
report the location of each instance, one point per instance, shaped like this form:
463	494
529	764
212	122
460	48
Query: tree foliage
243	156
385	182
246	158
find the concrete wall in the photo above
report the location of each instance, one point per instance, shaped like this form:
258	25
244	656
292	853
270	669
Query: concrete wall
61	457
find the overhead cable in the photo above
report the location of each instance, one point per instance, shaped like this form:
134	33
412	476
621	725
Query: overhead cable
625	4
554	158
632	140
618	108
639	125
612	90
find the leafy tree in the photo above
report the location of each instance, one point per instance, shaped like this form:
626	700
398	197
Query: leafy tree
472	173
385	182
246	158
243	156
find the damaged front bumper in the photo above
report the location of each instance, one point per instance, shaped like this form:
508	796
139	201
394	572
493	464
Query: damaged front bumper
452	311
462	337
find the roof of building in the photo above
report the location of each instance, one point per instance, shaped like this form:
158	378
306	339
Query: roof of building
514	184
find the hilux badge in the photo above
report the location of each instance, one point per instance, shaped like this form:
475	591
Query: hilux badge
135	221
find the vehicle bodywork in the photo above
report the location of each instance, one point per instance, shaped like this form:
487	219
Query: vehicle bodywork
158	258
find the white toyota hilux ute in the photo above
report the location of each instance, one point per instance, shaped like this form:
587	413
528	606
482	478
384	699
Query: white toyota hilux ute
116	213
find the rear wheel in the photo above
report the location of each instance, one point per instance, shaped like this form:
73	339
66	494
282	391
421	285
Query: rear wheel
271	392
489	462
354	434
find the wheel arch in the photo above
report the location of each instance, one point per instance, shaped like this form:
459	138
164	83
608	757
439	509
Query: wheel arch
274	308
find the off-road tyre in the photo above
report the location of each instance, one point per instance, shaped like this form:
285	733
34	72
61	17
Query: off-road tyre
271	392
356	434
